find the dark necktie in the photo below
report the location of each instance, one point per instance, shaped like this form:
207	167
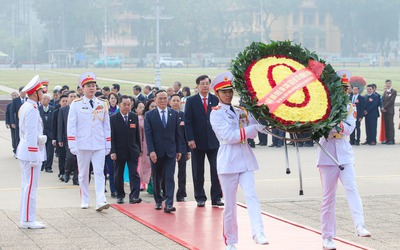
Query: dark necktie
164	122
91	103
205	104
232	110
126	119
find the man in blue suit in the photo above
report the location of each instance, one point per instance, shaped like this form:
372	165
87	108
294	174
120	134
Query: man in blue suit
359	101
371	115
163	139
202	141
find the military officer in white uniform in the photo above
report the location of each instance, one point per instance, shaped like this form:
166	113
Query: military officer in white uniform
236	161
337	144
31	153
89	138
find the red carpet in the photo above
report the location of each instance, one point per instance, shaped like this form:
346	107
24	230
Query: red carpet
201	228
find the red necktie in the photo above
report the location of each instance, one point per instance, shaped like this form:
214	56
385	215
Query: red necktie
205	104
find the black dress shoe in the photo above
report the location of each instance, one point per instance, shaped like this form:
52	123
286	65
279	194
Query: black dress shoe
113	195
384	142
135	200
364	143
120	200
357	144
390	143
272	145
372	143
262	144
201	203
180	199
157	207
169	209
76	183
66	178
62	178
217	204
49	171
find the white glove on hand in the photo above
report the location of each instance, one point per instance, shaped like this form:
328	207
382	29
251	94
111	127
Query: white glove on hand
33	164
74	151
42	141
107	151
261	128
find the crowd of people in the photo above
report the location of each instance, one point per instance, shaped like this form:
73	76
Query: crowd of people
140	138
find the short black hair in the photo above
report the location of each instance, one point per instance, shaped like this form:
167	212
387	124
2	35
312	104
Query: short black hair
125	97
201	78
106	88
21	88
62	96
98	94
138	88
56	91
160	91
175	95
370	85
179	84
373	85
147	87
65	87
116	86
187	89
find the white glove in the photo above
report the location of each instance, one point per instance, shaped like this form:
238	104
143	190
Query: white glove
33	163
42	141
260	128
107	151
74	151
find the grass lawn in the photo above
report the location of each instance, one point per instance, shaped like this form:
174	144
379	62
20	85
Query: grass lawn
125	77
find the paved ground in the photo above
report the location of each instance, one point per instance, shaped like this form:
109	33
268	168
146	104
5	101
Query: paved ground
69	227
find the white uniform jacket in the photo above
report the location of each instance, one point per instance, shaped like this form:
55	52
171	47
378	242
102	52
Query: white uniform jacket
89	128
232	131
30	130
337	144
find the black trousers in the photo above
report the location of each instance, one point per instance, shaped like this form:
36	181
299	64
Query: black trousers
48	163
371	123
355	136
134	179
13	140
263	138
71	163
61	160
164	168
389	126
198	157
16	137
181	193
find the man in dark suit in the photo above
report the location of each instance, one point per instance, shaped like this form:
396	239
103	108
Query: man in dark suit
371	115
177	88
125	149
16	104
60	151
175	103
388	102
46	113
359	101
163	139
202	141
137	91
71	162
8	121
147	91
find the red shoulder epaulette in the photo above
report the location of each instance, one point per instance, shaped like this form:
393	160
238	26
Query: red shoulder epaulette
216	107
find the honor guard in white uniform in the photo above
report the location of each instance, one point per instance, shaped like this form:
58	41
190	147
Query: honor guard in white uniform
31	153
236	161
89	138
337	144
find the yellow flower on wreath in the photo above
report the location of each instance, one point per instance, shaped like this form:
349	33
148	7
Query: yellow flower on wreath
313	110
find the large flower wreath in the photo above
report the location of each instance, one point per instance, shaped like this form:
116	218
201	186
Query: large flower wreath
290	87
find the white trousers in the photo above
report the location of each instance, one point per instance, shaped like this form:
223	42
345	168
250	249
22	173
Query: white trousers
29	184
97	158
329	179
229	184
